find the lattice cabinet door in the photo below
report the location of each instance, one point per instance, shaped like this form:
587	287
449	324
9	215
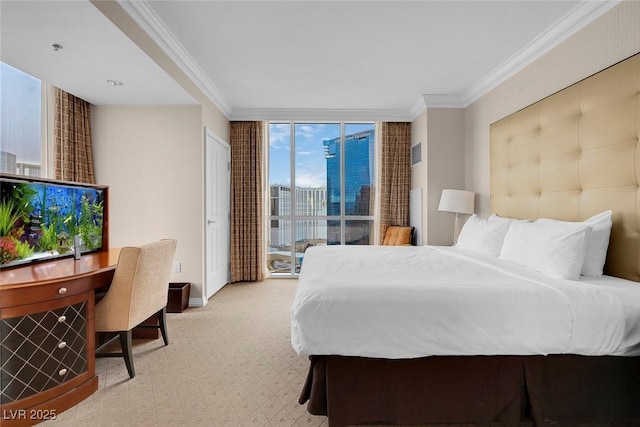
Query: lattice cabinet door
43	349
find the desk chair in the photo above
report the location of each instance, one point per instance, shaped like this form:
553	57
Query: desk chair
139	290
396	235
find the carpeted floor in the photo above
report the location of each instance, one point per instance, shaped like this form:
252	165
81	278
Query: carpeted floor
228	364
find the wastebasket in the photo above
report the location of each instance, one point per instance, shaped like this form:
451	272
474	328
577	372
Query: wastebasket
178	297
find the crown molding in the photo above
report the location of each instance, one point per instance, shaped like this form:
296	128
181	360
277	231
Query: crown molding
417	108
579	17
320	114
453	100
151	24
436	101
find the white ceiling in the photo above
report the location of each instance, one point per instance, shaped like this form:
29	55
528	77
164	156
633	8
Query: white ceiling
94	51
271	59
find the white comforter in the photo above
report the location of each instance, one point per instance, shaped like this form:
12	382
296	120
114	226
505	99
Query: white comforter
406	302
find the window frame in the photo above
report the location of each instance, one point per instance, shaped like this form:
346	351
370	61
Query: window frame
47	112
294	217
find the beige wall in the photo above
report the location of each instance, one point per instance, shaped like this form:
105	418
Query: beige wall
446	168
217	122
419	172
610	39
152	160
441	131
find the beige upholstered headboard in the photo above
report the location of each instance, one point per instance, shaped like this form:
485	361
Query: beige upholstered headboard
574	154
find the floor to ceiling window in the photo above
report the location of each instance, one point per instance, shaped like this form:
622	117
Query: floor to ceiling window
321	186
21	133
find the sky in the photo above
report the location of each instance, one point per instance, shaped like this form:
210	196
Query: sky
311	166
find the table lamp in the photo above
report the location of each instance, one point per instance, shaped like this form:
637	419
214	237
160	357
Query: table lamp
459	202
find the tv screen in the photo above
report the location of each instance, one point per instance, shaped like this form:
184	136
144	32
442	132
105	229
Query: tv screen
41	219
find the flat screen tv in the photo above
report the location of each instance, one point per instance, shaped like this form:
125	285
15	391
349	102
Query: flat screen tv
45	219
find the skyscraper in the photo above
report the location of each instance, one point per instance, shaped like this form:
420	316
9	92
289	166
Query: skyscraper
358	179
309	202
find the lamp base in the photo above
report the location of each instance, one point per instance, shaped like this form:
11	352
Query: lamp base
456	229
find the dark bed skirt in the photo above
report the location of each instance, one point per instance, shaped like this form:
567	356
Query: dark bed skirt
557	390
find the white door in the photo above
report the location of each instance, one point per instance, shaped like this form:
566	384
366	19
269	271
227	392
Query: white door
217	208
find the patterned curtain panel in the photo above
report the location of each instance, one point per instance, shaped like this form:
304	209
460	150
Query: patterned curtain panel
395	174
246	201
73	155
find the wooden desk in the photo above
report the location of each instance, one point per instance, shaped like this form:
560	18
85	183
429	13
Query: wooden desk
48	336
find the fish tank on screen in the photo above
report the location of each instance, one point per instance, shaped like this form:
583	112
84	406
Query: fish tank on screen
45	219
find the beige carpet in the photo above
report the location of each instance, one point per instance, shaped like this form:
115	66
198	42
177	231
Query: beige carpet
228	364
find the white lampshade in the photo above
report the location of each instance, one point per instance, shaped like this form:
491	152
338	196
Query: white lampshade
458	201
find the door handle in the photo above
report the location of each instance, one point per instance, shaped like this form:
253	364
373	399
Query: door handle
209	222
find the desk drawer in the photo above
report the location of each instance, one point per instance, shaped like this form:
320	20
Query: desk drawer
19	296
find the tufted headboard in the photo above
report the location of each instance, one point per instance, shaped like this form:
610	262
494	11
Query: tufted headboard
574	154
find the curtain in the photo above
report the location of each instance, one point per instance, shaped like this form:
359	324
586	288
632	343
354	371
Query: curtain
246	201
72	150
395	174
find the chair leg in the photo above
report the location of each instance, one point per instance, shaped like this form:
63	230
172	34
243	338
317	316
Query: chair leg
126	344
162	322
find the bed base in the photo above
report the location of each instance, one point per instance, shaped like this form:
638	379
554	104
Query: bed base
514	391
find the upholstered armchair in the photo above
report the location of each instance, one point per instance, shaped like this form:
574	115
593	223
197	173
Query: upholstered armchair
138	291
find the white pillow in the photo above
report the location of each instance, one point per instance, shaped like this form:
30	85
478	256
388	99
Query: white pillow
597	242
481	235
552	248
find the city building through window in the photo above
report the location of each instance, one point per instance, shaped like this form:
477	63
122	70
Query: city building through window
322	189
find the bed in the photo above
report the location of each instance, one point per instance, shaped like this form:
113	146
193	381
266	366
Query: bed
454	336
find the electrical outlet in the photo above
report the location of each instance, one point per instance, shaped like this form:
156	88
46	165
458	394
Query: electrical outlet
177	267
